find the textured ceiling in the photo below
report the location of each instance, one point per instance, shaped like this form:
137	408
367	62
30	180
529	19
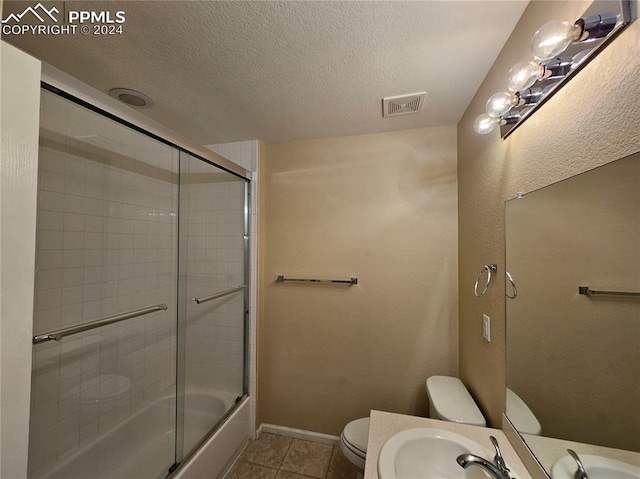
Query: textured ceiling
279	71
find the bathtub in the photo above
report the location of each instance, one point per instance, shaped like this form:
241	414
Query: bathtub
146	435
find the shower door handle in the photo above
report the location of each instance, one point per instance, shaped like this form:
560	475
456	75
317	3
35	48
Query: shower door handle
61	333
204	299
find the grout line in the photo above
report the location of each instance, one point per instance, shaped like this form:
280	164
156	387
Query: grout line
333	451
279	468
285	453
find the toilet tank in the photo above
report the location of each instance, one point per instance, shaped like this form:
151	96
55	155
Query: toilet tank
450	401
521	416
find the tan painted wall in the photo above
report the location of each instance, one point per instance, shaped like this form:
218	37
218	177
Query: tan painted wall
381	207
593	120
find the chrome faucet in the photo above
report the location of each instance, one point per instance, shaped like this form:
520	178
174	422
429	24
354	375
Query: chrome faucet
581	472
497	469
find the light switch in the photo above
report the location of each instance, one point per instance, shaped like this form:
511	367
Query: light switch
486	327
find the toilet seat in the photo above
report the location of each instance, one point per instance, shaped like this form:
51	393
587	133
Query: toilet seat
353	441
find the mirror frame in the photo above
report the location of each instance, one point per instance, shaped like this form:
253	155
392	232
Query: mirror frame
525	454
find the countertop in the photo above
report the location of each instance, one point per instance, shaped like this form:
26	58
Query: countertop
383	425
549	450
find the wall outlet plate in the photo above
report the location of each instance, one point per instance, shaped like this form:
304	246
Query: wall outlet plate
486	327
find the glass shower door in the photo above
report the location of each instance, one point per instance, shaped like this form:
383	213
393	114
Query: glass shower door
103	400
212	297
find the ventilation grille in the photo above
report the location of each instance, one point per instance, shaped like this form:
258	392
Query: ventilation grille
403	104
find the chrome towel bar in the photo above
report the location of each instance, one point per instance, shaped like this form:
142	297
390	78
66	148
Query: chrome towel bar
204	299
590	292
61	333
352	280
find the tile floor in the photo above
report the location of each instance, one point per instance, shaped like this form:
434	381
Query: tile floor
279	457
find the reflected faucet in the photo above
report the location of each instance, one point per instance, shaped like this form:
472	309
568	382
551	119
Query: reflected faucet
497	469
581	472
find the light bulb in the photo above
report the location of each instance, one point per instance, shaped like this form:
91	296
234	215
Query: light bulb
485	124
523	75
500	103
552	38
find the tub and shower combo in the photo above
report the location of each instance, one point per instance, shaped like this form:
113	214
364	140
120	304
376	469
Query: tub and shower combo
140	319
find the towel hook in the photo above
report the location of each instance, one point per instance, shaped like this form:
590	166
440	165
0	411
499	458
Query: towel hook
489	268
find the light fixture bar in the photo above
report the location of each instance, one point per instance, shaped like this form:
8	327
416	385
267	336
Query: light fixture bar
559	50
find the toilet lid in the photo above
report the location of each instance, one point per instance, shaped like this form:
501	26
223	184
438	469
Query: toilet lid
452	401
356	433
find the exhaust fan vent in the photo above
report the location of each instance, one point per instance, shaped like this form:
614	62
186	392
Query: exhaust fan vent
403	104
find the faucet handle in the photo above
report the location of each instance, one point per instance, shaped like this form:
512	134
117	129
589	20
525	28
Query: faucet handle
499	460
581	472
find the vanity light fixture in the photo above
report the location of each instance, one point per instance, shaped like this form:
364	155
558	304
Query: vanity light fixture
530	82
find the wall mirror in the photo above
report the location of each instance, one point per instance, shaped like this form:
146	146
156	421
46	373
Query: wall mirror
573	356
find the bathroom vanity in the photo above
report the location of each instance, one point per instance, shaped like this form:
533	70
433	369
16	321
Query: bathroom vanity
572	330
384	425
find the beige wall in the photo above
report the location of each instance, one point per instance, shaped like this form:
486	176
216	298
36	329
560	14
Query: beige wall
593	120
381	207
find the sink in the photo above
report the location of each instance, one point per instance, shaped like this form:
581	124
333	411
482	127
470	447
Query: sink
597	467
424	453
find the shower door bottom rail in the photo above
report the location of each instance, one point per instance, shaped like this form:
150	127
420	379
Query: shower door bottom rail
61	333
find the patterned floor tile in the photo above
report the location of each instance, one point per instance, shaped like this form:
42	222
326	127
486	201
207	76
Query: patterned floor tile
308	458
290	475
340	467
244	470
269	450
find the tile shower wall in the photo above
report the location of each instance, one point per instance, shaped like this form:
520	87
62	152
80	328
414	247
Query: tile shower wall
213	213
245	154
106	234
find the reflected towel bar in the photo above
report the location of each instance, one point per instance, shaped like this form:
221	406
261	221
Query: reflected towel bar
590	292
204	299
61	333
352	280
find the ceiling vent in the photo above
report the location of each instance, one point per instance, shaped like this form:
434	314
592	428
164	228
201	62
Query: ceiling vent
403	104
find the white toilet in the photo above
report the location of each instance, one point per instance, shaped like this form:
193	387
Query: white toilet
521	416
449	401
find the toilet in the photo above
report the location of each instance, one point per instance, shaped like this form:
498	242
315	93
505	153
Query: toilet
521	416
449	401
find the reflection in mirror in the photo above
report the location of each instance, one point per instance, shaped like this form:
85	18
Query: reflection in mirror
573	360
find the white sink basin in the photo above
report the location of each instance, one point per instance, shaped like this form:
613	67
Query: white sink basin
425	453
597	467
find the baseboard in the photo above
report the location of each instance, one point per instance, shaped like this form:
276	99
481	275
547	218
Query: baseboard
298	434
